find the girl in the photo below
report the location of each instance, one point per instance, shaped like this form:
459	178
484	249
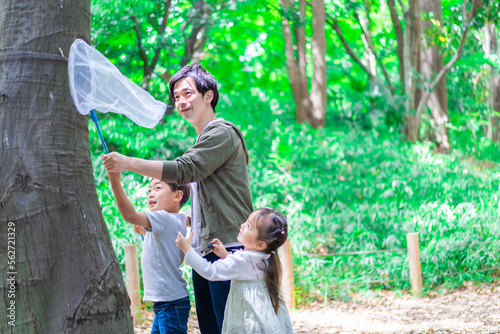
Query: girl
254	303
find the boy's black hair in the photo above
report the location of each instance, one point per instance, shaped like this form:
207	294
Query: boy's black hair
203	79
186	192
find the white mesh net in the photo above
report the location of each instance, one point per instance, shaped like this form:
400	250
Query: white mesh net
97	84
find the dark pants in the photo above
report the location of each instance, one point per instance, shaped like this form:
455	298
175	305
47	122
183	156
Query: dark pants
210	298
171	317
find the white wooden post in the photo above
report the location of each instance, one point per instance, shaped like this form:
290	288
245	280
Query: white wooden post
133	285
414	257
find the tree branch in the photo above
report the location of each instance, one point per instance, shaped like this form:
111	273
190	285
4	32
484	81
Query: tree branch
165	17
139	42
333	23
372	48
449	65
190	43
403	8
161	31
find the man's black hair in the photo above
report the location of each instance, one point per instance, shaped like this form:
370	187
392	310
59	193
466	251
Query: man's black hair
203	79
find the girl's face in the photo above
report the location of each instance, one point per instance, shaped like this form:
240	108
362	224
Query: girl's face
249	235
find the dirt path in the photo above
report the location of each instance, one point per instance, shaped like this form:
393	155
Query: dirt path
468	310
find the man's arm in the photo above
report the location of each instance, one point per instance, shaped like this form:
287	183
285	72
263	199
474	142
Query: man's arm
124	205
115	162
212	150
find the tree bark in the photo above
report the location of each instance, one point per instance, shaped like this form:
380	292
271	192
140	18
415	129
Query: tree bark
296	65
300	38
449	65
66	278
431	63
398	30
318	91
491	47
291	63
411	64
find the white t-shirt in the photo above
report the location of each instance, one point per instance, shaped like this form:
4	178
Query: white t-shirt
161	258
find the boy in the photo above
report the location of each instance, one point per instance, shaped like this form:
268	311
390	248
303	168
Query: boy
217	167
161	259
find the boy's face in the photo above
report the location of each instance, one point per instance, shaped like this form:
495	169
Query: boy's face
161	197
189	102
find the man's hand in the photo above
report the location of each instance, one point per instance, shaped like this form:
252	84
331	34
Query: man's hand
219	248
184	243
115	162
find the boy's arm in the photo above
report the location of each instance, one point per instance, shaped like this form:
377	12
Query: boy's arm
124	205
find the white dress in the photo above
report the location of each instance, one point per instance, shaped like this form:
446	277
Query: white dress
248	309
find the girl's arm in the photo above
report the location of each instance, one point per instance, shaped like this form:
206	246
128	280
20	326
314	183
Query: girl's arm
127	210
221	270
232	267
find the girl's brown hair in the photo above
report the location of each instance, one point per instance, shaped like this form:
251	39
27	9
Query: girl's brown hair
273	230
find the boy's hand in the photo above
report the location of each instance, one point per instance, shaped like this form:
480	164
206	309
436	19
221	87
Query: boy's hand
139	230
114	177
114	162
184	243
219	248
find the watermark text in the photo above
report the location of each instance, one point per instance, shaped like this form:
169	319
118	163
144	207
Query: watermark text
11	273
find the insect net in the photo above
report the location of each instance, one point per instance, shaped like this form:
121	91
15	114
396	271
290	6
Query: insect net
97	84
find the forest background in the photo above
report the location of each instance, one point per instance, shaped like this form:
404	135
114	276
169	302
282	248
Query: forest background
349	133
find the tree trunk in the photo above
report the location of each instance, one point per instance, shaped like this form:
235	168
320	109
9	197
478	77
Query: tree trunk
366	37
411	67
296	66
318	91
431	63
65	277
491	47
300	37
398	30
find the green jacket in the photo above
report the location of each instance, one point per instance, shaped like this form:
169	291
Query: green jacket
218	163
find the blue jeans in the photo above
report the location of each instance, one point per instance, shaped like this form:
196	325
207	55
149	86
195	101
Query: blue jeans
210	298
171	317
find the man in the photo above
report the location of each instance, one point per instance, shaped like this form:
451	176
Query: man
217	167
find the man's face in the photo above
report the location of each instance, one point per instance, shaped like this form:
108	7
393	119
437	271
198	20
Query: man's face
189	102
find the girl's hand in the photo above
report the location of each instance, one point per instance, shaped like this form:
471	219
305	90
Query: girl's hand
219	248
139	230
184	243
